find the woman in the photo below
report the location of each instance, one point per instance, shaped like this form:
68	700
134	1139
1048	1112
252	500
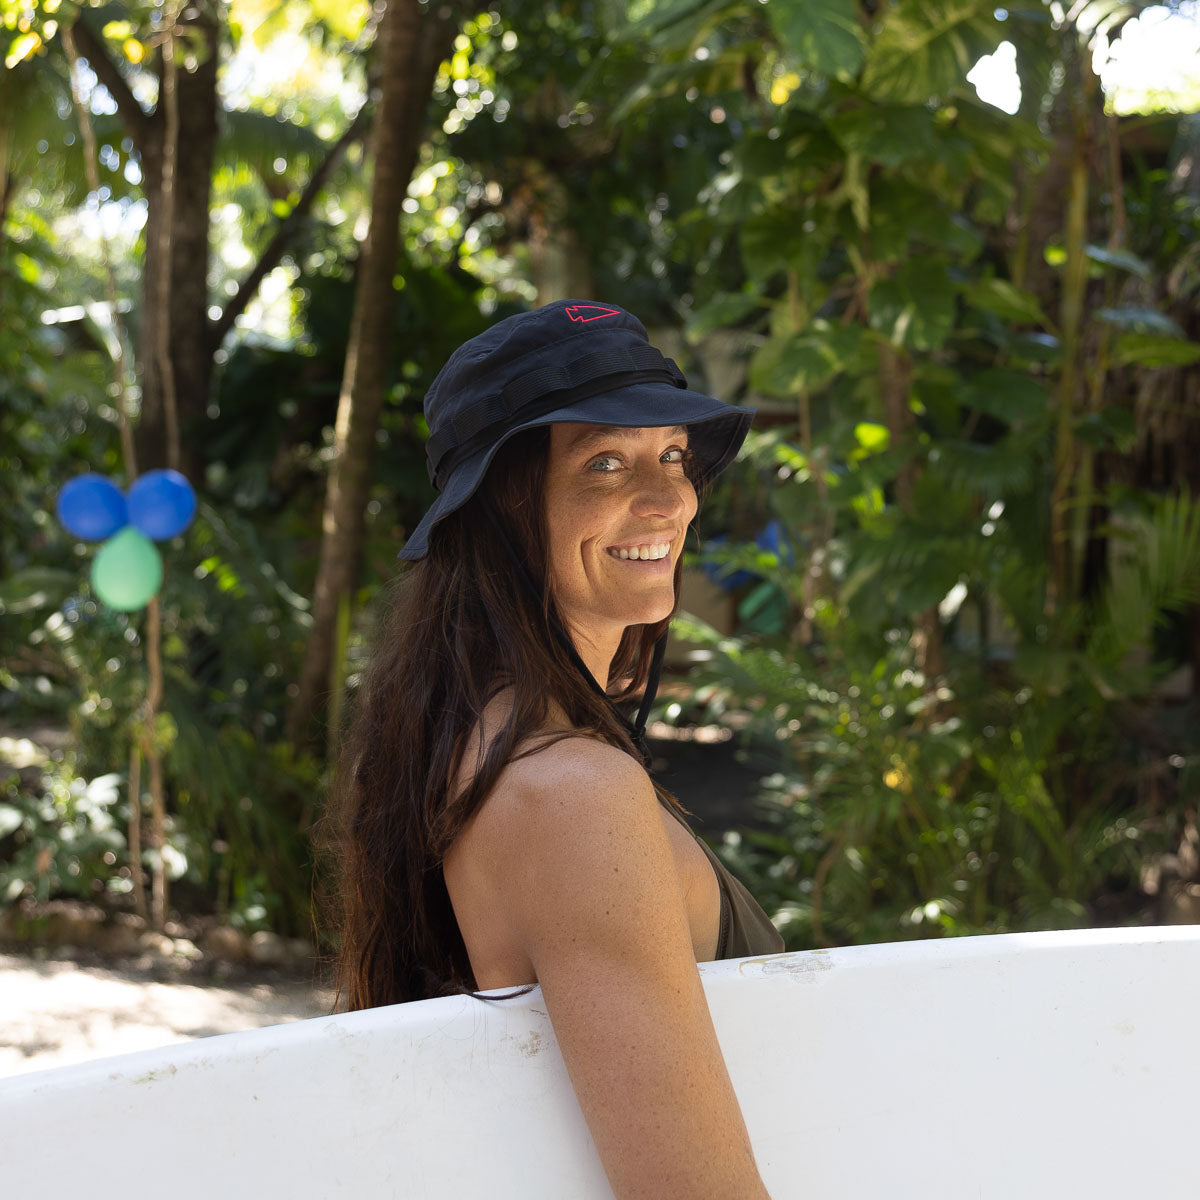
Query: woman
498	826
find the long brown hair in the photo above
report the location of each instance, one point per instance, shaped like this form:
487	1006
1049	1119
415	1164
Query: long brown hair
455	629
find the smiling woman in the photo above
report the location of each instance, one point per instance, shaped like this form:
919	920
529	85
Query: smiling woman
494	823
621	501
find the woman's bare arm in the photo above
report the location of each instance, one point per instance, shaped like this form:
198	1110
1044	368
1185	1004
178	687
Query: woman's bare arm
582	866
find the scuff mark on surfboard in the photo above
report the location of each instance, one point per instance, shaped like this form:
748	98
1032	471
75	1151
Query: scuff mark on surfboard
529	1046
800	967
153	1076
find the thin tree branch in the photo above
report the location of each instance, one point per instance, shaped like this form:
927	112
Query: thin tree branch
153	753
136	875
285	231
139	124
169	106
121	377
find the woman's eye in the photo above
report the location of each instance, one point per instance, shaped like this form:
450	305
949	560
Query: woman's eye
606	462
675	455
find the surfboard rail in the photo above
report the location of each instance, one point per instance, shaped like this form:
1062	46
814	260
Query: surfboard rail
1040	1066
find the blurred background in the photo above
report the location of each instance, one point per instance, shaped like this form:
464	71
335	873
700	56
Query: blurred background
939	668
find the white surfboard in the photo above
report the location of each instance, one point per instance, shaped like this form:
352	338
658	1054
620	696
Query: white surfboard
1038	1066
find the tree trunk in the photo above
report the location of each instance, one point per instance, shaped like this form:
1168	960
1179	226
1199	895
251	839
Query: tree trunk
411	46
181	316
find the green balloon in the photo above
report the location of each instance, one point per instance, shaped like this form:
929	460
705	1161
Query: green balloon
127	571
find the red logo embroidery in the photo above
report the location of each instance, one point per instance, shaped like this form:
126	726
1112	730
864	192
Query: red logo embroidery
590	312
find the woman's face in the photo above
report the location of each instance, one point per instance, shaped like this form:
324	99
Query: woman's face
618	502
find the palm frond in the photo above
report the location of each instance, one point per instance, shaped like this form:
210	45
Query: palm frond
1157	572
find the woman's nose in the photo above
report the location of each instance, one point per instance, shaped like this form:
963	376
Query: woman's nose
662	492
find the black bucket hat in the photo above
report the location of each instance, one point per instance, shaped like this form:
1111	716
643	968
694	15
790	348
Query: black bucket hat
571	361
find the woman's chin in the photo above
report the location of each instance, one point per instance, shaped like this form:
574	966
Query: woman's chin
652	614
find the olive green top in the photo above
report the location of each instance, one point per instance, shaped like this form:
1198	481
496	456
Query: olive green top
745	929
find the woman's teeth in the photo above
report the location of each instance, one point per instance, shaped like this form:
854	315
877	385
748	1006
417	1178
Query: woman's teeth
643	553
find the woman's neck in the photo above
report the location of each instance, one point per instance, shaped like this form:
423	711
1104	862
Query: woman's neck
596	654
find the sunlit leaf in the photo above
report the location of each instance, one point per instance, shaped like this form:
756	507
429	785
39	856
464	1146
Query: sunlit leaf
871	437
23	46
344	18
926	47
822	34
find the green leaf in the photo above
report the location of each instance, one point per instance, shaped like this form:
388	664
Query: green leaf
720	312
21	47
1143	320
1159	572
676	27
822	34
916	307
36	587
804	361
1119	258
888	135
1009	395
871	437
903	215
1006	300
926	47
777	240
1154	350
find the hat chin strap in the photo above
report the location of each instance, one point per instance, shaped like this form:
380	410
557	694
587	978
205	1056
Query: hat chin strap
637	730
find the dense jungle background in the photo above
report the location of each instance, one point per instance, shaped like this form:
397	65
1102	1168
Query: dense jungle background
945	608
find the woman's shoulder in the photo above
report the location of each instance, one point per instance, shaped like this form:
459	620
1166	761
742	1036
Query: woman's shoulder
560	785
556	774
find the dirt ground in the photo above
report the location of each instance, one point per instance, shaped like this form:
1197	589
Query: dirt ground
55	1011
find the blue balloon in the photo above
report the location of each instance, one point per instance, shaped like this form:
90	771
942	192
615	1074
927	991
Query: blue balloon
92	507
161	504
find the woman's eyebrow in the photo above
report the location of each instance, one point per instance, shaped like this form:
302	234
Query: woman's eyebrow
600	433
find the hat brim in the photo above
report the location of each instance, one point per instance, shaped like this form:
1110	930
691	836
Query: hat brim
715	434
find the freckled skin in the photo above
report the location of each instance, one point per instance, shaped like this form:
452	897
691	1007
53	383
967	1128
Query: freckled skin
614	488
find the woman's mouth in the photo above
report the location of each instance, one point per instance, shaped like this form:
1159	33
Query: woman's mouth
650	552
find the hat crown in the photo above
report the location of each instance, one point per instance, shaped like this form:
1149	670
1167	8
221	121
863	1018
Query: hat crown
482	367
